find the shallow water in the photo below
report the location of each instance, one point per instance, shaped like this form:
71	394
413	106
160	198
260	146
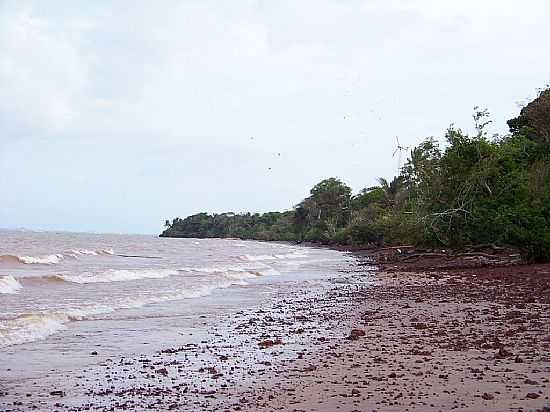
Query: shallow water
64	294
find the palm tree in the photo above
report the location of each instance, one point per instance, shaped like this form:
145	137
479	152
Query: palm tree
394	191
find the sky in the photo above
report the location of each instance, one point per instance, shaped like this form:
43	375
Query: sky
115	116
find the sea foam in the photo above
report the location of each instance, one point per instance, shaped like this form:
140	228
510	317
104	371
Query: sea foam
36	326
87	252
127	275
121	275
30	327
8	284
54	258
259	258
41	260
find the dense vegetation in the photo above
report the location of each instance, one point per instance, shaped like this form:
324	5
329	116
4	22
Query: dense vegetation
267	226
475	189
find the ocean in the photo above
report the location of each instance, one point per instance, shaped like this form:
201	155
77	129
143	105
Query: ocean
68	290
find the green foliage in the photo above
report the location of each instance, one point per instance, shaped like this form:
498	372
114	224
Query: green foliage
360	233
316	234
300	222
481	190
395	192
534	119
330	203
367	198
267	226
475	190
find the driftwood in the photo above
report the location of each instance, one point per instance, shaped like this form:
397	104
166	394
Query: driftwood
395	247
455	255
484	246
470	256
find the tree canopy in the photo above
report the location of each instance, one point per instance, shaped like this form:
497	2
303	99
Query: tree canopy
472	189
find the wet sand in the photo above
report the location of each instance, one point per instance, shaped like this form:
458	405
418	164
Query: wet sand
471	340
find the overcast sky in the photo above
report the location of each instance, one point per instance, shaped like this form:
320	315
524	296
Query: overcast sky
115	116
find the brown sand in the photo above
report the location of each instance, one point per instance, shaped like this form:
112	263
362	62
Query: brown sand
470	340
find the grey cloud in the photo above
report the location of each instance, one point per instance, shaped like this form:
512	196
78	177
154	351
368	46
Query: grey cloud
162	98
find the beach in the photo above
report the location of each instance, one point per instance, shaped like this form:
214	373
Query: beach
362	339
274	206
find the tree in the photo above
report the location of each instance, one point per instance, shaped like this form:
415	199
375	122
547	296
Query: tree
394	191
300	221
476	189
332	198
534	119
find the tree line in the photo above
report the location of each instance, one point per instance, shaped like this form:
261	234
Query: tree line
472	189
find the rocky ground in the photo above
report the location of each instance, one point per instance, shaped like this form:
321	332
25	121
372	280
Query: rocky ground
469	339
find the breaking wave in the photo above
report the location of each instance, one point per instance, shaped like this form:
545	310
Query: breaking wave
9	259
8	284
86	252
36	326
28	328
112	275
29	260
124	275
41	260
233	272
256	258
55	258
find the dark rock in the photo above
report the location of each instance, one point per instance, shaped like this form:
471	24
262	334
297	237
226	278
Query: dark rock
162	371
502	354
487	396
355	334
268	343
209	369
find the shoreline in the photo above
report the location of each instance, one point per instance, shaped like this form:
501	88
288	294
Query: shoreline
465	339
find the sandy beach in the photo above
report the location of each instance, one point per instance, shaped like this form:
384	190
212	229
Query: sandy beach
274	206
366	340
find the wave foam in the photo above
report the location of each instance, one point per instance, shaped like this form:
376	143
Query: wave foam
31	327
121	275
87	252
255	258
29	260
8	284
28	328
233	272
41	260
55	258
293	255
125	275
